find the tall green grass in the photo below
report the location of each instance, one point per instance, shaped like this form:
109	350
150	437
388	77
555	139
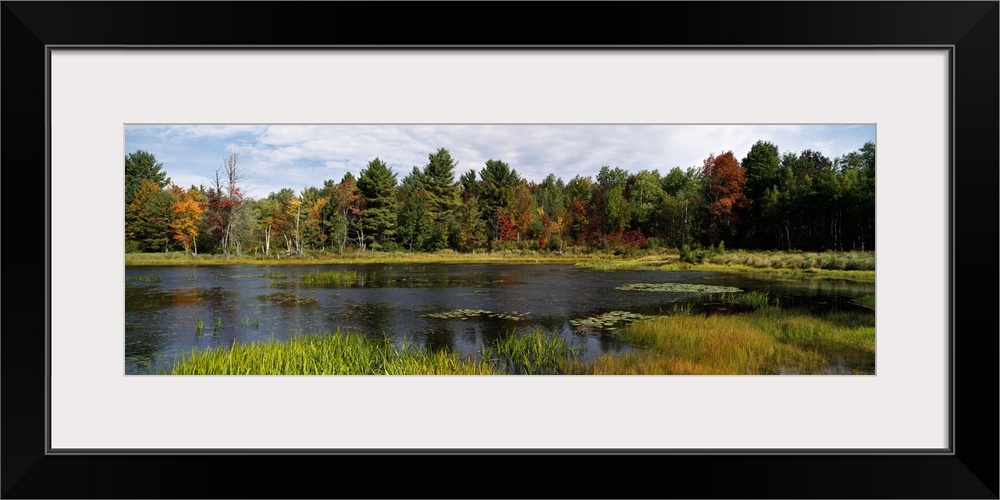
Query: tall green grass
751	301
333	278
765	341
534	353
531	353
330	354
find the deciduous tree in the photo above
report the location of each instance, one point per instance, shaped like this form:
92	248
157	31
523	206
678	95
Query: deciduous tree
724	184
188	208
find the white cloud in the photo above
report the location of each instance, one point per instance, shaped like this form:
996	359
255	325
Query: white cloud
297	156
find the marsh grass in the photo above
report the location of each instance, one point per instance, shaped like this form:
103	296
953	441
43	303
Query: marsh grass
358	257
648	262
843	265
749	301
533	353
810	261
333	278
152	278
766	341
867	301
329	354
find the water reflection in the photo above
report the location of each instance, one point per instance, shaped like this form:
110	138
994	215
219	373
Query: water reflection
250	303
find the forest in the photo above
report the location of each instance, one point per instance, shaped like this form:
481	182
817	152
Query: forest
766	200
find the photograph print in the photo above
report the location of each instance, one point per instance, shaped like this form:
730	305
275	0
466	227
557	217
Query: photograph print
486	249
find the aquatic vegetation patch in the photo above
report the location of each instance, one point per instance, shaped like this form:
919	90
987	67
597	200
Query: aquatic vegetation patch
288	299
619	265
465	314
152	278
606	321
531	353
867	301
678	287
333	278
751	301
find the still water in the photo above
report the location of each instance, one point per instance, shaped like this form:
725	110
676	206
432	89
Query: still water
172	310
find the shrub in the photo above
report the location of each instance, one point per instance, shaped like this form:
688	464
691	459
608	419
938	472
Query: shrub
690	256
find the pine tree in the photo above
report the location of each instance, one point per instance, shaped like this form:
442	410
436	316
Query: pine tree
377	184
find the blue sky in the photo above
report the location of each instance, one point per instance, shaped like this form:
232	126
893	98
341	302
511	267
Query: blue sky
298	156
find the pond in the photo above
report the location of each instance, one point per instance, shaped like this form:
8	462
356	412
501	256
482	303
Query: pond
170	311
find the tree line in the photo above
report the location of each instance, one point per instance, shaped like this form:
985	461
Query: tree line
767	200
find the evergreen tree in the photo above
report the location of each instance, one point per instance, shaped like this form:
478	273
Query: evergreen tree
377	184
438	182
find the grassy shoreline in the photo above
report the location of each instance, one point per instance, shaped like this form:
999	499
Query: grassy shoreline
858	266
766	340
336	353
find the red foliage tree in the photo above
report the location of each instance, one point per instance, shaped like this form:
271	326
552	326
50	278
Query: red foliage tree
508	231
724	183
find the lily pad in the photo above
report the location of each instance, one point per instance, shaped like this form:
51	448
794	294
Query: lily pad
465	314
605	321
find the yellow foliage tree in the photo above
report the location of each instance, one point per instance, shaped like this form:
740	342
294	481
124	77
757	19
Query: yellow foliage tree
188	211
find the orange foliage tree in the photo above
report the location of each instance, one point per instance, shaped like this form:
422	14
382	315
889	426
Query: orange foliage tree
188	210
724	183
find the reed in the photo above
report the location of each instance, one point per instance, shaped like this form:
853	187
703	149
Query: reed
332	278
532	353
749	301
327	354
766	341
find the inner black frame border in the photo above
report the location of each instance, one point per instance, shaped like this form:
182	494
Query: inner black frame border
968	469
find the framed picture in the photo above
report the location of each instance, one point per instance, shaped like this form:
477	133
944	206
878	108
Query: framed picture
928	85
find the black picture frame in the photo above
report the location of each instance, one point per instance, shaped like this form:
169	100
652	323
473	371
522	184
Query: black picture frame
969	470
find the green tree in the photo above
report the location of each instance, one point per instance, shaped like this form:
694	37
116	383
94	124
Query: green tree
413	229
438	181
679	210
496	180
471	229
142	165
377	184
761	166
152	213
644	193
616	209
610	177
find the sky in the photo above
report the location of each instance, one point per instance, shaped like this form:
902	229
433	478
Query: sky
299	156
